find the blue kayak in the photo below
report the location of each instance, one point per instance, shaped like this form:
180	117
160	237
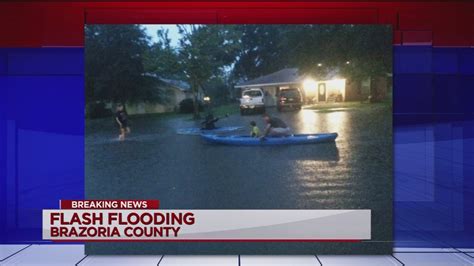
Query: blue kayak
249	141
199	131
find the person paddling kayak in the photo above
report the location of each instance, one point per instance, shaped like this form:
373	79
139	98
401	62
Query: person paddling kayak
209	122
275	127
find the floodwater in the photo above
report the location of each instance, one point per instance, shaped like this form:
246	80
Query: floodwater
184	172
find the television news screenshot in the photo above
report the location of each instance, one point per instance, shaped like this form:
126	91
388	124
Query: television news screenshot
237	133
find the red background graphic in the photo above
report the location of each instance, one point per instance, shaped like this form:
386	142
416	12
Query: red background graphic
61	24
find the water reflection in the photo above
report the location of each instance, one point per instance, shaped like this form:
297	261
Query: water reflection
327	152
356	171
336	121
311	121
322	181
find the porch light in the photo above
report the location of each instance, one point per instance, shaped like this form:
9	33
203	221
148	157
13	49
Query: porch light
207	98
339	84
309	85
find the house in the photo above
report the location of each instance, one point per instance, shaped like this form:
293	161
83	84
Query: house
178	90
175	90
330	89
171	91
312	90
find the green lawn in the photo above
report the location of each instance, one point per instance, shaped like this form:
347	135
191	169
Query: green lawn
229	109
346	105
218	111
167	115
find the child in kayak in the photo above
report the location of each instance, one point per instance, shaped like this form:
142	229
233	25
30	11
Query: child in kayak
121	117
255	131
275	127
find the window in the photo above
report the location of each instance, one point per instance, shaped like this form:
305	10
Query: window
254	93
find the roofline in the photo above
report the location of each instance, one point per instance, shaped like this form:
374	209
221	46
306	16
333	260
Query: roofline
265	84
179	89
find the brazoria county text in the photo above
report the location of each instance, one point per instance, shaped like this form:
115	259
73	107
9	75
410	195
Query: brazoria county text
98	232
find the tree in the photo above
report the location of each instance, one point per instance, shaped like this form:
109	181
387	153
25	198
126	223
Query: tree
314	49
263	51
114	64
218	89
162	59
367	49
205	50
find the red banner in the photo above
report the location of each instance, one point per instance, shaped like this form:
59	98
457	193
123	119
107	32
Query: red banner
109	204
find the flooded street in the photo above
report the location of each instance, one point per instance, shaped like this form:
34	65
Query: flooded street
184	172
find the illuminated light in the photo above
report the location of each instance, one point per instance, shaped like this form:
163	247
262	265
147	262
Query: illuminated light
320	65
207	98
309	85
339	83
348	62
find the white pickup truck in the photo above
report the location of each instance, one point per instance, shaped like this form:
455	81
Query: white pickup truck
252	100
